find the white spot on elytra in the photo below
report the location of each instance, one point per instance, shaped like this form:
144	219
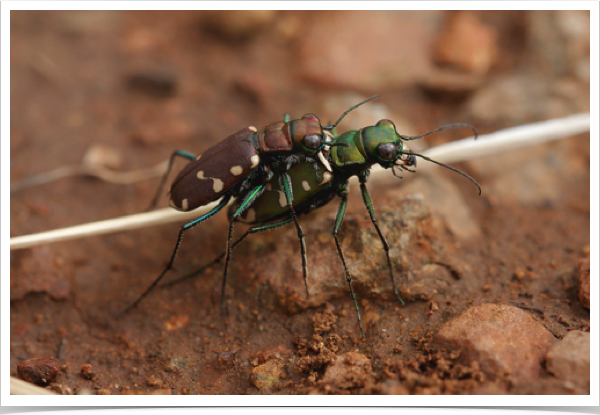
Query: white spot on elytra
184	204
198	156
251	215
326	177
305	185
252	128
236	170
254	160
217	183
282	199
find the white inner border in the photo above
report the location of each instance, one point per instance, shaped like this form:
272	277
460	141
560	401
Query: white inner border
204	400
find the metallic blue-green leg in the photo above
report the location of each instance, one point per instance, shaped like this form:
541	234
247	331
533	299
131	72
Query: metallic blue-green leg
287	190
176	153
184	228
386	247
250	198
218	259
338	224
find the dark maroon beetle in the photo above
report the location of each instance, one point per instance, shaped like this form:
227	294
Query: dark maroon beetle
219	170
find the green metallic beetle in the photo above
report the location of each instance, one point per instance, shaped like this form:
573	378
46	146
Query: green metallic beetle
354	154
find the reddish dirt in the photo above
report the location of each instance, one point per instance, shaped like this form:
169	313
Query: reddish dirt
145	83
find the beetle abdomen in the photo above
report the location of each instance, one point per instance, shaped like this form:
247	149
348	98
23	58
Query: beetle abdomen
216	171
307	181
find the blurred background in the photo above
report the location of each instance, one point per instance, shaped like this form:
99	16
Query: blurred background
135	85
145	83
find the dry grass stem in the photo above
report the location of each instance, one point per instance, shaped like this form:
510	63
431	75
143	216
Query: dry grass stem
462	150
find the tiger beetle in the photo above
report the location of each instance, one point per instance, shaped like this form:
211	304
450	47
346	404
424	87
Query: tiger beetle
239	167
354	154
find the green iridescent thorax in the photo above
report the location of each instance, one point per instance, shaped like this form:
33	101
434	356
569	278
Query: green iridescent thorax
361	152
350	156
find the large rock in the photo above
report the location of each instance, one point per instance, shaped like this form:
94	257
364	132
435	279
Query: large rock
467	43
401	221
506	341
371	58
569	359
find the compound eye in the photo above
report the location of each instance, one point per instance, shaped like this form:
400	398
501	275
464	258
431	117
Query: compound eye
311	116
388	122
386	151
313	141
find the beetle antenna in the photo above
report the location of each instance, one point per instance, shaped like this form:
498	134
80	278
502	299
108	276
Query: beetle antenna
444	127
331	127
448	167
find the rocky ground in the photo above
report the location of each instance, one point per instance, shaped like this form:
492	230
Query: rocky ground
497	287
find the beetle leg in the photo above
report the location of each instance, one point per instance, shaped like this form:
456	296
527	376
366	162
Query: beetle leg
184	228
339	217
251	197
287	189
218	259
386	247
176	153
